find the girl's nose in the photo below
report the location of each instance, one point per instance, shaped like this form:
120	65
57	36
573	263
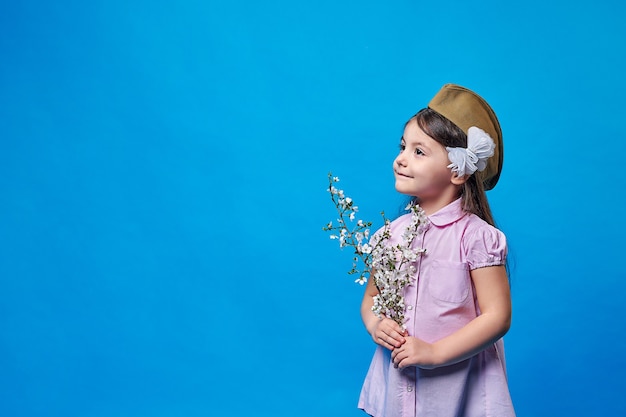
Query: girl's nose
400	159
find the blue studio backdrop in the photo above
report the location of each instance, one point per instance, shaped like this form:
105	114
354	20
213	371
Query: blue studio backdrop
163	191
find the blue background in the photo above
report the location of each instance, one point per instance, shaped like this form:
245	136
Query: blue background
162	191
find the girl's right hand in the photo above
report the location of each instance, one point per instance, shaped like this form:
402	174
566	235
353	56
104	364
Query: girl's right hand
388	334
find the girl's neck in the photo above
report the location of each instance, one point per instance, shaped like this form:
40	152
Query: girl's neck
434	204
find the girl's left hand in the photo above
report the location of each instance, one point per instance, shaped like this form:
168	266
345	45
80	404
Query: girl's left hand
414	352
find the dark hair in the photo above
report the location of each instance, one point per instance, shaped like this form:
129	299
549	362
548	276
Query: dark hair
473	196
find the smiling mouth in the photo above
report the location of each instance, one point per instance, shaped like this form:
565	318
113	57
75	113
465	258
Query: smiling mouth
402	175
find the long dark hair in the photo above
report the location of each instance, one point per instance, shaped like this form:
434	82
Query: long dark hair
473	196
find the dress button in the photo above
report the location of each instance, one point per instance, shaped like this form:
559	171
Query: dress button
409	307
409	388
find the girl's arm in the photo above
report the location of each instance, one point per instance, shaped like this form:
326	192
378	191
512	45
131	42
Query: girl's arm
494	299
384	331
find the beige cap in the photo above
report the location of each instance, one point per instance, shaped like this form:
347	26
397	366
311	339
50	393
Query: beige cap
465	109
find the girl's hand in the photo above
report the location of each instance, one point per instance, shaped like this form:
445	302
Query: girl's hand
388	333
415	352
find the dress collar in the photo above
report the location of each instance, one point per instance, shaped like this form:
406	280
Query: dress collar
448	214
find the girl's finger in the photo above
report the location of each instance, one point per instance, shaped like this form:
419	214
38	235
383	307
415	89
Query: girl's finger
397	359
398	338
384	342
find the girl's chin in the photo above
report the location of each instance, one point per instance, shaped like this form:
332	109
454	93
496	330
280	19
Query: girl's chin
403	189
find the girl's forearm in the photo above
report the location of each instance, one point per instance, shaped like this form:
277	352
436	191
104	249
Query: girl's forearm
368	317
474	337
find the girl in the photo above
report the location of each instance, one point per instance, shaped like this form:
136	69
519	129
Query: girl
450	360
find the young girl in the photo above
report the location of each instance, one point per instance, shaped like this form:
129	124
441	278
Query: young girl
450	360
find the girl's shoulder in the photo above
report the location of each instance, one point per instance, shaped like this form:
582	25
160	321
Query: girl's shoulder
483	244
476	224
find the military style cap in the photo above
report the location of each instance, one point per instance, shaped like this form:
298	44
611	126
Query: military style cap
465	109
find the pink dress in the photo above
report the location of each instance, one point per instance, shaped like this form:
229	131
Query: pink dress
440	301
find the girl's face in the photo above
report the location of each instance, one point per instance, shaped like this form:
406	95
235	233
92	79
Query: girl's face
421	168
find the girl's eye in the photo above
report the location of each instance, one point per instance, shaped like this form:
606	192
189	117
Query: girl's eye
402	147
418	151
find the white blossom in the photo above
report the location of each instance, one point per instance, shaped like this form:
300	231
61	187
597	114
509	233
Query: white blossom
393	265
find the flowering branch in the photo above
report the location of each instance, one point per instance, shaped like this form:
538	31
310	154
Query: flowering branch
357	237
392	266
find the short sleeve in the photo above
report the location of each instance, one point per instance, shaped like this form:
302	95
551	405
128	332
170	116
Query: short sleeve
486	247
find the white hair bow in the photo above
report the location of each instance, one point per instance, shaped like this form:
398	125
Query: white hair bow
466	161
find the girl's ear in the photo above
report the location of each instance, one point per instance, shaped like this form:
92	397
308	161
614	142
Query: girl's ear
456	180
